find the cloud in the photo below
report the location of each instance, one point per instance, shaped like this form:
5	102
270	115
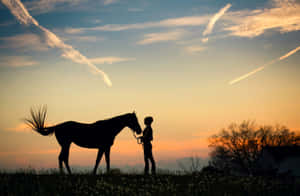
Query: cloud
82	38
204	40
20	12
283	17
17	61
44	6
73	30
96	21
7	23
172	22
108	2
75	35
214	19
135	10
110	60
194	49
86	38
161	37
28	41
264	66
53	41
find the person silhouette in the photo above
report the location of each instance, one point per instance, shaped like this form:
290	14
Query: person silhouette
147	146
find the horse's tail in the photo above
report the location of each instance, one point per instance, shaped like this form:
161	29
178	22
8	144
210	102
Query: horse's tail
37	121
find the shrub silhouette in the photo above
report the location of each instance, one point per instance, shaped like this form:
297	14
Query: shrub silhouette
240	146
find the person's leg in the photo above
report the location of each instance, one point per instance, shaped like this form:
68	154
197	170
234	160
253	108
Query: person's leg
153	166
146	153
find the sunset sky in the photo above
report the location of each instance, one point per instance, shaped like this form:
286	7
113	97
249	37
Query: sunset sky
195	66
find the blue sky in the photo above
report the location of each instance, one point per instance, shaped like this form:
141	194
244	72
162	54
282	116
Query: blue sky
160	63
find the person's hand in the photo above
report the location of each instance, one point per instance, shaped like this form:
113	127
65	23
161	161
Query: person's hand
140	139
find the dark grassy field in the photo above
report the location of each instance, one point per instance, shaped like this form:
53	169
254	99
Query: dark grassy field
24	183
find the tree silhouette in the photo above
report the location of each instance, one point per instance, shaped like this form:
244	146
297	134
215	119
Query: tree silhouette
239	147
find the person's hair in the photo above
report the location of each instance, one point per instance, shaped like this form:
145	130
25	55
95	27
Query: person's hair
148	120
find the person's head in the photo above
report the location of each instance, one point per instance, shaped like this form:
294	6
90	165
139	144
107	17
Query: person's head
148	120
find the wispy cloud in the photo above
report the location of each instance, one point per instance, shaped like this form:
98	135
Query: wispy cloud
17	61
283	17
28	41
53	41
44	6
73	30
20	12
110	60
161	37
194	49
82	38
204	40
214	19
86	38
135	9
264	66
171	22
76	35
108	2
7	23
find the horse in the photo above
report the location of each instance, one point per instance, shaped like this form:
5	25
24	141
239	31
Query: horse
98	135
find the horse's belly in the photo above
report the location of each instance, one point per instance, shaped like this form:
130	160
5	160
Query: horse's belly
85	145
92	142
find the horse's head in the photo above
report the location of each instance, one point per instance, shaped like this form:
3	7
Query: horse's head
133	123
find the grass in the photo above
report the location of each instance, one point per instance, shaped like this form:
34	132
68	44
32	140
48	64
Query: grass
31	183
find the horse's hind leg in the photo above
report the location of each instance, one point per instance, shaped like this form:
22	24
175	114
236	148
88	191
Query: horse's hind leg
64	157
60	161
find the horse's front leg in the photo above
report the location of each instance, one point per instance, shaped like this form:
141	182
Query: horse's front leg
107	158
99	156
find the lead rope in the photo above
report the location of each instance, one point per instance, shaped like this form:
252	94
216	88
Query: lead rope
138	139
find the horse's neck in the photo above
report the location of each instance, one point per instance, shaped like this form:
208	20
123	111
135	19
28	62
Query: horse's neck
121	123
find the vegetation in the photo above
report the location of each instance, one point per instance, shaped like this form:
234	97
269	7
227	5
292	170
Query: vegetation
202	183
237	147
240	146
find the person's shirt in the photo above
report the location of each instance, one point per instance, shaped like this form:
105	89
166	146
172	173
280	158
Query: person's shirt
147	135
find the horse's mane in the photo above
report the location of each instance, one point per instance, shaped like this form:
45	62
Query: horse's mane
113	118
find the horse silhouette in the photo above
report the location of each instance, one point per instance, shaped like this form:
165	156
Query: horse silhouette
100	134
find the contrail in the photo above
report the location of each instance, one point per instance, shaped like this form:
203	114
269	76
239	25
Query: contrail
20	12
264	66
215	18
289	53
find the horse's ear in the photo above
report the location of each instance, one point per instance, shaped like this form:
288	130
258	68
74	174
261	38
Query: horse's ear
133	112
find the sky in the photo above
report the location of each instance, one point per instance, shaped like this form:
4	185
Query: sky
195	66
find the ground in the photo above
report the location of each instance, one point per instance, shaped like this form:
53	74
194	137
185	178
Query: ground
24	183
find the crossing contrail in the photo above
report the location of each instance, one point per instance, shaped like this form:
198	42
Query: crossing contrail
264	66
17	8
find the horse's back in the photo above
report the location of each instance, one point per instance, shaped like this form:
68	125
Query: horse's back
83	134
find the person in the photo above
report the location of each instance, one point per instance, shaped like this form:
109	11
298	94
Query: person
147	146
